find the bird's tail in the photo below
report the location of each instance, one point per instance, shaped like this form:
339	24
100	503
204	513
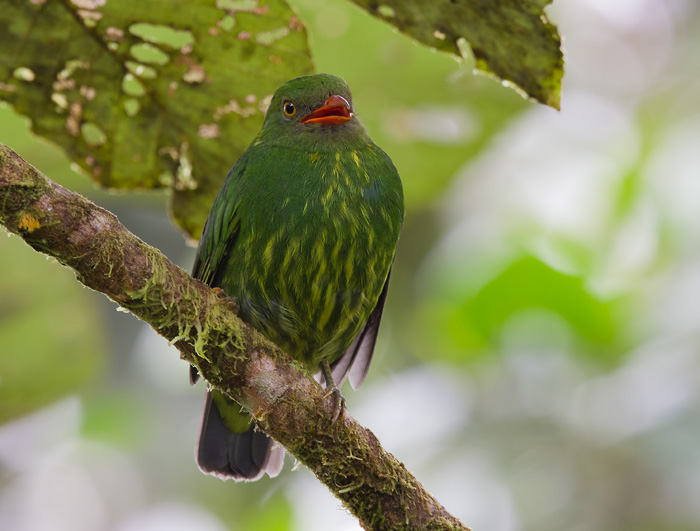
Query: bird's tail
230	447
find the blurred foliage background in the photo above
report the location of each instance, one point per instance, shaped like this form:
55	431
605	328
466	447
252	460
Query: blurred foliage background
539	362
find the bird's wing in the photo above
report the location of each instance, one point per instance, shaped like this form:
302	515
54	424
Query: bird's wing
218	237
355	362
219	234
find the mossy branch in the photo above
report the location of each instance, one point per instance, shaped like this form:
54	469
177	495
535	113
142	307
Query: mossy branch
286	402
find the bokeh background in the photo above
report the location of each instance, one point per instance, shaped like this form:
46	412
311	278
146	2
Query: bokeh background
539	361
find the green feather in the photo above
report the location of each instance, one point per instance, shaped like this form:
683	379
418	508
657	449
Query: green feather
304	229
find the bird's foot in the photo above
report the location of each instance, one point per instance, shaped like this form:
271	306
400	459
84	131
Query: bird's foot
338	403
230	302
332	390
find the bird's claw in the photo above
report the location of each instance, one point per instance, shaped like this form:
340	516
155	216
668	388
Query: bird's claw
338	403
230	302
338	398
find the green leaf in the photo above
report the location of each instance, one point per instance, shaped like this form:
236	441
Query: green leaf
149	94
530	283
468	321
510	39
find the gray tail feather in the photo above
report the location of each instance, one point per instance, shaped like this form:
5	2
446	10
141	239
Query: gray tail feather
243	456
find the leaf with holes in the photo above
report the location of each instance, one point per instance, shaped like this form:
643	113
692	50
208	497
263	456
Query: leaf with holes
148	94
510	39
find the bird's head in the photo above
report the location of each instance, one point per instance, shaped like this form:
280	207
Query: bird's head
316	108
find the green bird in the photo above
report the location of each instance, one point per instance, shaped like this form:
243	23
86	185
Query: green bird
302	235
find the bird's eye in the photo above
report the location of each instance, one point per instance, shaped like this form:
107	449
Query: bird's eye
289	109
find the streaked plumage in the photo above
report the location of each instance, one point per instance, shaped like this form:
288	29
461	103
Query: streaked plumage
302	234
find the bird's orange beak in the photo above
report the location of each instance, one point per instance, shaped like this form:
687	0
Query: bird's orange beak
336	110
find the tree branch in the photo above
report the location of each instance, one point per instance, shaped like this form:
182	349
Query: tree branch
287	404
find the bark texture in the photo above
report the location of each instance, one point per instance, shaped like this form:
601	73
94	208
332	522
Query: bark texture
286	402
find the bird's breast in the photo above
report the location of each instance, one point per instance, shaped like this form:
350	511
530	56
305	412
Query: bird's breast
317	255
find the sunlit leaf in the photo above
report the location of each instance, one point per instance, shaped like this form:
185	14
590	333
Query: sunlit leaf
150	94
511	39
471	321
530	283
